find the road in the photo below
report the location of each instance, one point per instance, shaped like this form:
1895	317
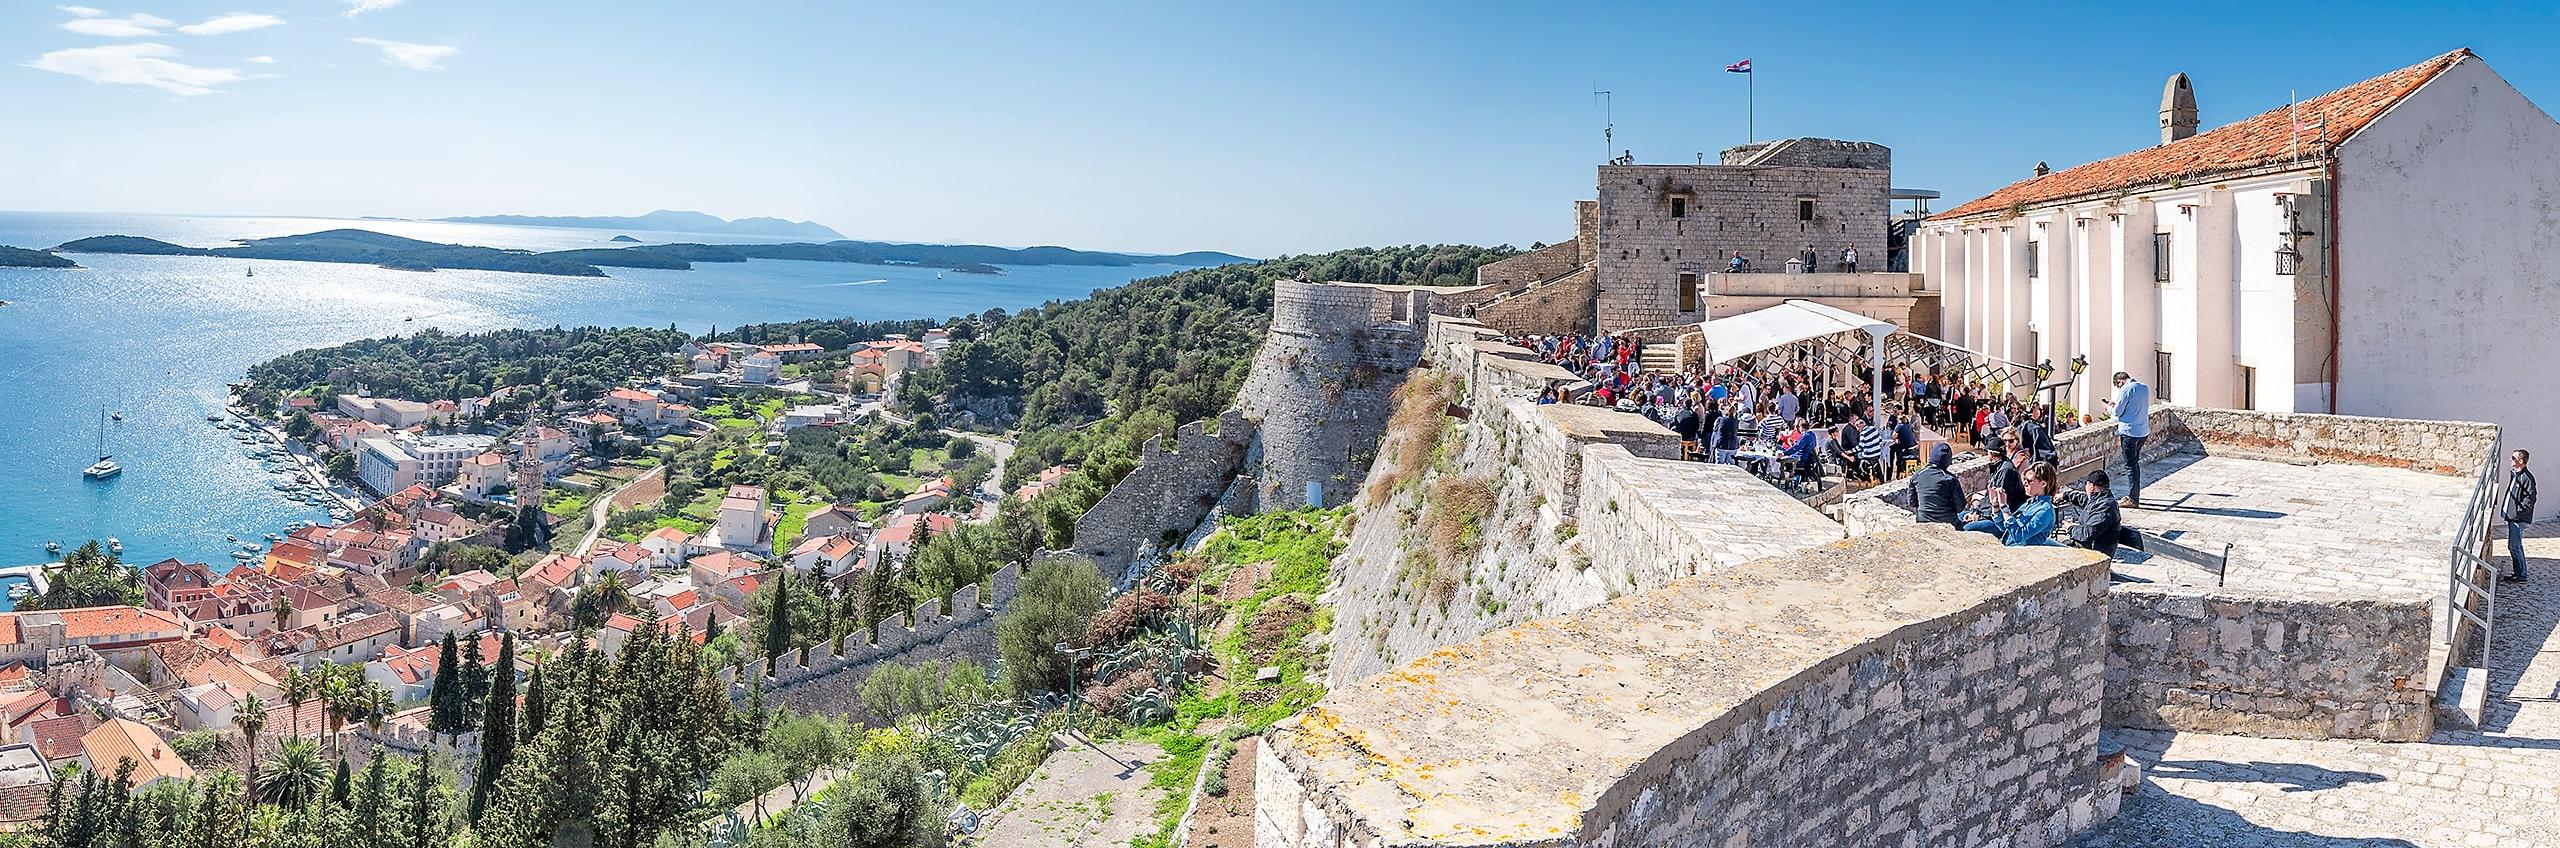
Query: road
603	508
990	490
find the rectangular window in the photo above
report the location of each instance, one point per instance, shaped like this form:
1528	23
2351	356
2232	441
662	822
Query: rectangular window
2159	257
1804	209
2035	253
1679	207
2160	376
2035	347
1688	292
2248	387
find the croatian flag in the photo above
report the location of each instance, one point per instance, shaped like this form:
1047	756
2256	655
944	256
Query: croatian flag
1741	67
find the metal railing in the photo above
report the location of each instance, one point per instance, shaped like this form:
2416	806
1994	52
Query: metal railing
2469	563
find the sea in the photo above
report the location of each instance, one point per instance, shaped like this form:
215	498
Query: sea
156	339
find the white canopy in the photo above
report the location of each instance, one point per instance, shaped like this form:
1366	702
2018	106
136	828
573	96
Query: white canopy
1759	330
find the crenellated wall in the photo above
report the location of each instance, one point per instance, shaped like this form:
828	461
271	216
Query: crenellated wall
831	681
1168	493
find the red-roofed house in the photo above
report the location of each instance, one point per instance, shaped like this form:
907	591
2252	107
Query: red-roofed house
2341	255
162	578
57	738
408	672
897	538
108	746
716	567
668	548
839	552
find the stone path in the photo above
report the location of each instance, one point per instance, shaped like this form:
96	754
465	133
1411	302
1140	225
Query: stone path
2299	529
1085	794
2499	786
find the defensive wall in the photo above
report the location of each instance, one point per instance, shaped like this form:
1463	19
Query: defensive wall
830	681
1554	508
1167	494
2329	619
1918	687
1320	384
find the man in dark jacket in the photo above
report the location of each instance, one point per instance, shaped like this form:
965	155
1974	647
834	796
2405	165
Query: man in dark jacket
2098	525
1728	436
2519	512
1686	424
2038	435
1936	497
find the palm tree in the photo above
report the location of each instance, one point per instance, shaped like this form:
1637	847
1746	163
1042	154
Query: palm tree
377	705
284	612
338	696
251	718
297	689
297	775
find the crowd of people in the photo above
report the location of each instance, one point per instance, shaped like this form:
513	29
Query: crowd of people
1782	415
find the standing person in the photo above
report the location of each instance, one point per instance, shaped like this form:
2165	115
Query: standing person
1875	445
1735	266
2520	497
1728	436
1849	258
1906	442
2132	405
1812	261
1686	424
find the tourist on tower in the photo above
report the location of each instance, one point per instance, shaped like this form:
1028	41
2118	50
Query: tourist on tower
2132	405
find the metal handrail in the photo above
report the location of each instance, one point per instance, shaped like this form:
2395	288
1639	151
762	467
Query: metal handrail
2466	562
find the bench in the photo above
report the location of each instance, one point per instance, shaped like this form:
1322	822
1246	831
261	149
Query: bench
2218	562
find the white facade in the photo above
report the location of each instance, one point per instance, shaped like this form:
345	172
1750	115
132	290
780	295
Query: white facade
2426	242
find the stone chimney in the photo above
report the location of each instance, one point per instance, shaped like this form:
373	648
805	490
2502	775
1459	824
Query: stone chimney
2177	109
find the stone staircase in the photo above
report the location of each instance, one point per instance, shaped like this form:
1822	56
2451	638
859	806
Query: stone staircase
1661	358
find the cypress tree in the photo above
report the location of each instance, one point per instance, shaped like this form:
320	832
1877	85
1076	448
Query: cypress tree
440	698
777	621
473	678
422	831
339	784
536	708
497	728
371	802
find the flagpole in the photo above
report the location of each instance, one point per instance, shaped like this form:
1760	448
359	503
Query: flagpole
1751	107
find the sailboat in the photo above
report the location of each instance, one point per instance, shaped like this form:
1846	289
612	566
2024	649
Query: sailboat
106	465
253	272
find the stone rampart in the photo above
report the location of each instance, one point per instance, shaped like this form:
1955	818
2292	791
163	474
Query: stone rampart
1168	493
2237	662
2454	448
831	680
1321	384
1536	266
1586	504
1557	307
1923	687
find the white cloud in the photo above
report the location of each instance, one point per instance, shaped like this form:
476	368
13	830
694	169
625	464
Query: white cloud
358	7
82	11
231	23
144	64
135	25
262	60
422	57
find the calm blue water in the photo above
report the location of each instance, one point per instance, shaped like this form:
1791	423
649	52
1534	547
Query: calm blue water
156	338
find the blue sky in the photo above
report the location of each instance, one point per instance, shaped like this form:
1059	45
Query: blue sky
1256	128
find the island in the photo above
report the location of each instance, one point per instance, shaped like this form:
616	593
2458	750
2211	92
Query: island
408	254
665	221
19	257
626	239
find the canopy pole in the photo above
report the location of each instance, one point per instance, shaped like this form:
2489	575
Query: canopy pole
1875	372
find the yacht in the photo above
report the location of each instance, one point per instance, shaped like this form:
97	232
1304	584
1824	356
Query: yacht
106	465
21	591
241	555
115	544
53	547
274	538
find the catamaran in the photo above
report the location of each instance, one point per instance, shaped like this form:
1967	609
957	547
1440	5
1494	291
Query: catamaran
106	465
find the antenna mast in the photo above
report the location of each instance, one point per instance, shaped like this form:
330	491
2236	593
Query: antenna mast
1608	122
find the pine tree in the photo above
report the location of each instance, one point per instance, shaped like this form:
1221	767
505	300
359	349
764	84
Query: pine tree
497	729
440	698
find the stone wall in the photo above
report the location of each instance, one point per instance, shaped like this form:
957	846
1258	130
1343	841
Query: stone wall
2454	448
1753	210
1556	307
831	681
1536	266
1923	687
1812	153
1169	491
2235	662
1588	504
1320	386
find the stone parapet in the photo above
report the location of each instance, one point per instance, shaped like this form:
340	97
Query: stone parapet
1169	491
2231	661
1921	687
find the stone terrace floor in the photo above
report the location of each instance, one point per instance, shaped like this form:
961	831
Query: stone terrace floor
2499	786
2351	529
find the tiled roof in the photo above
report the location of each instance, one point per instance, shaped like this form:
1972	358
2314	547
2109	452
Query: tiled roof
58	738
555	570
2266	139
359	630
669	534
114	622
109	744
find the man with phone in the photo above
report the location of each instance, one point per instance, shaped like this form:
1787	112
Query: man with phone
2132	405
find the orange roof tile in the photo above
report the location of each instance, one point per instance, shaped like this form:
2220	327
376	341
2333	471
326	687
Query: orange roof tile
2265	139
125	739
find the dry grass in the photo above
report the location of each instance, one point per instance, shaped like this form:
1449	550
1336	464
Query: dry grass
1414	430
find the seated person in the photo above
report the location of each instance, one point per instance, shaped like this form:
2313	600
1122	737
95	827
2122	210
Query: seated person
2026	524
2097	524
1936	497
1804	455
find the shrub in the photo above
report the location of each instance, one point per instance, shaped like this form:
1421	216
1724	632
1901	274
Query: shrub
1058	598
1126	616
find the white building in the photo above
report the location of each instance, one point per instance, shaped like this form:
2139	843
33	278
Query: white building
761	368
2383	249
389	465
742	517
384	466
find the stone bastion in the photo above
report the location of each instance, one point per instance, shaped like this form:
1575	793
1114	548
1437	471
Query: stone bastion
1916	687
2331	616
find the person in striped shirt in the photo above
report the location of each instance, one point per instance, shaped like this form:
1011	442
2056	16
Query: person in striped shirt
1872	442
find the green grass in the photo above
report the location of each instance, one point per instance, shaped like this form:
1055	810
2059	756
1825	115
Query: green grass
795	521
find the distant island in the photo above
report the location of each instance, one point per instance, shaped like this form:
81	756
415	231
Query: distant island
19	257
665	221
624	239
408	254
